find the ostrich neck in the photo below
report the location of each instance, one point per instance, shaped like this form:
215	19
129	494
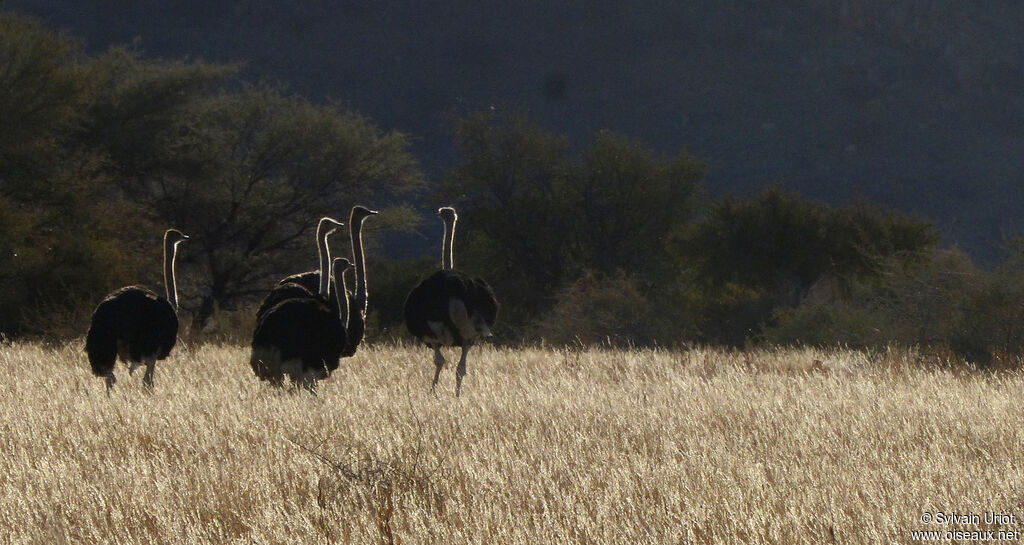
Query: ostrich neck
170	252
325	260
339	283
447	257
360	262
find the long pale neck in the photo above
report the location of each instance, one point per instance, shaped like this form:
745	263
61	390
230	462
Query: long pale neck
356	232
339	284
447	257
325	260
170	253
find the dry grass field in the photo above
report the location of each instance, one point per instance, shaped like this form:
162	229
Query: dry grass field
545	446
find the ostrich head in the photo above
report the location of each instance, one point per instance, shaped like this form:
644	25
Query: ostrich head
341	264
447	214
174	236
359	213
328	225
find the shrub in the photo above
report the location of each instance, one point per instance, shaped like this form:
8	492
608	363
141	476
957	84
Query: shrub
946	302
599	308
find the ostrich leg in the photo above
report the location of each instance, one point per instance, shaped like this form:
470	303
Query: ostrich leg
438	364
460	371
309	384
147	379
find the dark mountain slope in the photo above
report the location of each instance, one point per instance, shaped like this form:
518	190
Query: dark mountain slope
917	103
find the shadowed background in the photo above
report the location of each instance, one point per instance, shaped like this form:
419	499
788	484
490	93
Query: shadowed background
915	104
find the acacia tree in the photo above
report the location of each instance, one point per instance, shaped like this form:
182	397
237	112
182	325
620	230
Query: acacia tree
246	172
263	167
512	192
631	199
538	218
99	154
49	182
749	258
137	112
778	241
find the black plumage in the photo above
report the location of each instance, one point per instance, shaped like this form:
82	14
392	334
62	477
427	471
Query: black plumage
429	302
450	308
357	300
298	338
283	292
301	338
291	287
136	324
356	319
310	281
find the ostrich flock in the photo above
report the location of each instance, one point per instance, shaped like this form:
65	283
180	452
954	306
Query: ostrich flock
306	323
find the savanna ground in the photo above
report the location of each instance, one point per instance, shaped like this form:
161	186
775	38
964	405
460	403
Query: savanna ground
545	446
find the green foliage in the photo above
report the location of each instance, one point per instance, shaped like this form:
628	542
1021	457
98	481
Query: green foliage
390	281
59	242
630	200
943	302
612	309
511	192
537	218
758	255
267	166
99	155
781	242
993	316
42	88
598	309
137	115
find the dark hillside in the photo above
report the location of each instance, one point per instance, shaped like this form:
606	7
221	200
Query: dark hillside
917	104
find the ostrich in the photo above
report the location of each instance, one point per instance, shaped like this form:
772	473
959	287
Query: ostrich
136	324
302	338
449	308
357	301
296	285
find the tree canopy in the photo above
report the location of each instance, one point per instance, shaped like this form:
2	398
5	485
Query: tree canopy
585	242
536	216
98	155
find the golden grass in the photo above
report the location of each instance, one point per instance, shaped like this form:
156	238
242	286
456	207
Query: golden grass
545	446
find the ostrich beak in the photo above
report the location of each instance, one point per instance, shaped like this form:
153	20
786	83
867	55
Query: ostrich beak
332	221
335	225
372	212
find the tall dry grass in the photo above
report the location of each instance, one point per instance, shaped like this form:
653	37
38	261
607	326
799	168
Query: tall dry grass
545	446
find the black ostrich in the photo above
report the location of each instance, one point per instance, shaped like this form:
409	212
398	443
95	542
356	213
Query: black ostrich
136	324
299	285
302	338
450	308
310	280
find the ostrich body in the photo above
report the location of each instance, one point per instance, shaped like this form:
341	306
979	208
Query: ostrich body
450	308
136	324
310	280
303	285
302	338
